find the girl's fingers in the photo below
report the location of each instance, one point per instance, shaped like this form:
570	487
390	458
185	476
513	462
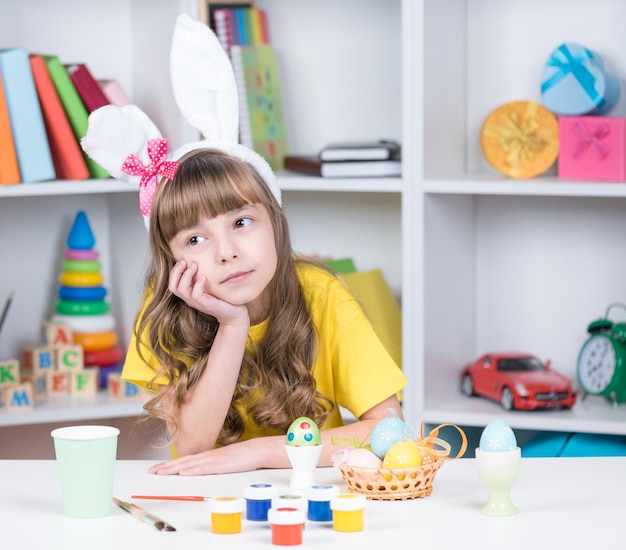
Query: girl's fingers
175	275
186	279
197	290
181	278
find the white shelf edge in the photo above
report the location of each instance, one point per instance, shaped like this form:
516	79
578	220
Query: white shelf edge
68	408
490	185
287	181
593	415
66	187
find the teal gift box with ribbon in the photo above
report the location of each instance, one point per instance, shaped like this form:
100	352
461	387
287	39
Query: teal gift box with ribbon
575	82
592	148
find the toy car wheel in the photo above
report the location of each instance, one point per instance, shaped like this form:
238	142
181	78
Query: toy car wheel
467	385
506	399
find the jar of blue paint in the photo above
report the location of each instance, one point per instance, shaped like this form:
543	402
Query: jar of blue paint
319	497
258	498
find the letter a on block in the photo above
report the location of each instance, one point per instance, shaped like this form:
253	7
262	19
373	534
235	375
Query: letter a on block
56	334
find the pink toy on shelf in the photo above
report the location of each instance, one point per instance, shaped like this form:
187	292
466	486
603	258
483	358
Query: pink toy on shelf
592	148
82	304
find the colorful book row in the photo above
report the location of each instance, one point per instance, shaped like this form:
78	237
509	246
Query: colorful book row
240	26
44	107
262	124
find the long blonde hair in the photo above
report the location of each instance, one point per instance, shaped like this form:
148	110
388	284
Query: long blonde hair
275	381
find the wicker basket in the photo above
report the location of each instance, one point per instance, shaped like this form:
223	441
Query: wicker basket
397	484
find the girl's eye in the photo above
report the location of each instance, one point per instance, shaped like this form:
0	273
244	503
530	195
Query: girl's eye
195	239
242	222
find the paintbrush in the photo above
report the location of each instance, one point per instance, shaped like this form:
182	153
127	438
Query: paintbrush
144	515
191	498
5	310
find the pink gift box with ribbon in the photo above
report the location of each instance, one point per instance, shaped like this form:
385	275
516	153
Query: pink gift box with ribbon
592	148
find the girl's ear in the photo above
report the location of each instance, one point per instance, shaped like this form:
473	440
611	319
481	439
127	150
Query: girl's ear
114	133
203	81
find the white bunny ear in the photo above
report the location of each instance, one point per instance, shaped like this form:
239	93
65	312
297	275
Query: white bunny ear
114	133
203	81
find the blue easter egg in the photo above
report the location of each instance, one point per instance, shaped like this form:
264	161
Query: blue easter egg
497	437
388	431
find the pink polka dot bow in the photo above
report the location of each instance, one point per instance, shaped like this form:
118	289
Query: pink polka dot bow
157	151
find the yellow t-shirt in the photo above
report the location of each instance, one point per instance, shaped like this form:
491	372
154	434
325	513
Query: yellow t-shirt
353	369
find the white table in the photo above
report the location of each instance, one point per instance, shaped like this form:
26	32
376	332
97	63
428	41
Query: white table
570	503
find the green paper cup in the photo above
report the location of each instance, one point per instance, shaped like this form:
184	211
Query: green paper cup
86	460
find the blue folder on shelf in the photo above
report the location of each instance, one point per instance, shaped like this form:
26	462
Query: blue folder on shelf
27	124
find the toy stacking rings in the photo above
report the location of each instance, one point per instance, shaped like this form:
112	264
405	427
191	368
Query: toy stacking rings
77	307
84	293
81	266
69	278
104	357
78	254
93	341
87	323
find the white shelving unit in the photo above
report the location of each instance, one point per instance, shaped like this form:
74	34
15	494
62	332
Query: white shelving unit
498	264
481	262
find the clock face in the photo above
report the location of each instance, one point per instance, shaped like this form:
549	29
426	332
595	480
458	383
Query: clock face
596	364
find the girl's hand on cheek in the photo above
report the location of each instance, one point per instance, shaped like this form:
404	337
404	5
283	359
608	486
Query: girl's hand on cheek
191	289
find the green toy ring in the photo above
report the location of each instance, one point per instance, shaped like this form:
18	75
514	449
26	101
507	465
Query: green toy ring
71	307
81	266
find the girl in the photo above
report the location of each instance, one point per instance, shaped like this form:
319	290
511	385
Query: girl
237	337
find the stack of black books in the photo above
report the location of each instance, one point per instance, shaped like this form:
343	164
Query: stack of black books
350	160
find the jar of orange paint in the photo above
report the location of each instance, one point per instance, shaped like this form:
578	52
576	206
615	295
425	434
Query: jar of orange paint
287	525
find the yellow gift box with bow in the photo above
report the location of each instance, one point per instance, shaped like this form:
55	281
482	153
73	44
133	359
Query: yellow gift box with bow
520	139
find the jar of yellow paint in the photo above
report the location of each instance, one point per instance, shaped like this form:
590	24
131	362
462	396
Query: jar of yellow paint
348	510
226	515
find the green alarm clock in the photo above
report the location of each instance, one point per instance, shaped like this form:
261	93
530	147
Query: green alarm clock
601	366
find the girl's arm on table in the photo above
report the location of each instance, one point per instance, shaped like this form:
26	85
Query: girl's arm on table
269	452
202	415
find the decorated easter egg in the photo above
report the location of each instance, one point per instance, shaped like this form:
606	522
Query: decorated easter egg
388	431
359	458
497	437
303	432
403	454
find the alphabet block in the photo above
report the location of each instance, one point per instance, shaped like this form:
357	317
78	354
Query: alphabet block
37	358
69	357
84	382
123	389
9	372
57	383
17	398
39	382
56	334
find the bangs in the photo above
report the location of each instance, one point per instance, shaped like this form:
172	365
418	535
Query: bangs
205	185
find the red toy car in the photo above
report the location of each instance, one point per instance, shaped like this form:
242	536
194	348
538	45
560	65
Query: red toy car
517	381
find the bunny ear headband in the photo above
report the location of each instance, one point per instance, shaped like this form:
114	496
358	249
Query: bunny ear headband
125	142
